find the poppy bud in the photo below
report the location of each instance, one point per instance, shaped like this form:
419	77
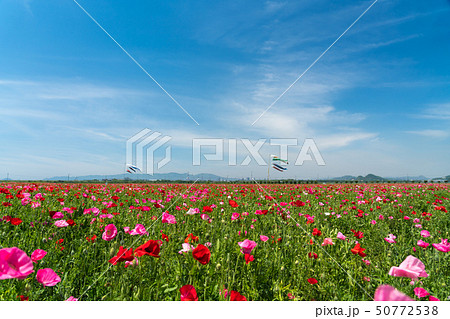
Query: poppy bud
218	266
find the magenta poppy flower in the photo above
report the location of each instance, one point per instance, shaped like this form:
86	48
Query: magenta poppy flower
167	218
420	292
425	233
390	239
264	238
433	298
411	267
234	216
444	246
37	255
389	293
58	215
47	277
422	244
247	246
110	232
72	298
14	263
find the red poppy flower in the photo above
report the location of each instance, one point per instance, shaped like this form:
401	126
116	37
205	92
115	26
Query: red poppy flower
122	255
6	204
202	254
249	258
233	203
358	234
235	296
316	232
188	293
312	281
150	248
298	203
207	209
16	221
358	250
70	222
191	237
91	239
23	298
165	237
312	255
60	241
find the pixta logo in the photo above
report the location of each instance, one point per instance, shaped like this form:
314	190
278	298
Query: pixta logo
141	148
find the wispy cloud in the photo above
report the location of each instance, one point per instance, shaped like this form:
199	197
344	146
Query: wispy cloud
437	112
431	133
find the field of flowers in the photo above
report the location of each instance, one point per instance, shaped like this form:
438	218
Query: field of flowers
224	242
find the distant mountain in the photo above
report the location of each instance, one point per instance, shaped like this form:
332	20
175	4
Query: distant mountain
409	178
367	178
154	177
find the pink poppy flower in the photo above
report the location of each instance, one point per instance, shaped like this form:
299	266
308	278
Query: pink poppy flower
14	263
373	222
247	246
47	277
327	241
204	217
411	267
139	229
389	293
367	262
234	216
186	248
444	246
167	218
110	232
422	244
425	233
38	254
193	211
61	223
72	298
264	238
420	292
35	205
341	236
390	238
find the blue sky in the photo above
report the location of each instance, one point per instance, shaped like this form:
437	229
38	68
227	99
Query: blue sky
377	102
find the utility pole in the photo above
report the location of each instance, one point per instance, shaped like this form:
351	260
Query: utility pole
7	176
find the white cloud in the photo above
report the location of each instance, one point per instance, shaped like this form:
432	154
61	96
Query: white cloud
431	133
437	111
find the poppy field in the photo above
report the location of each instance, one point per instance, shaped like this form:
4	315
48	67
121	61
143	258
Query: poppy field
327	242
